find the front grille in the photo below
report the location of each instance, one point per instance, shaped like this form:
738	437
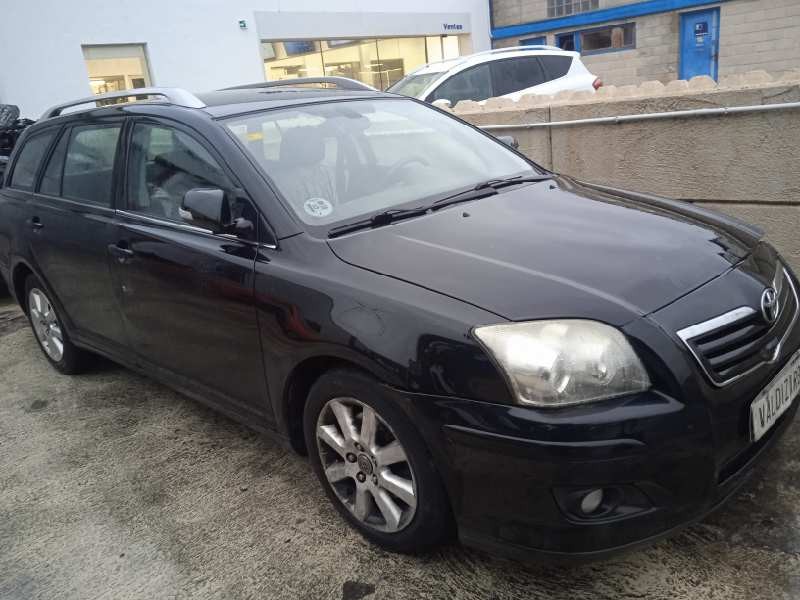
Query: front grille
738	342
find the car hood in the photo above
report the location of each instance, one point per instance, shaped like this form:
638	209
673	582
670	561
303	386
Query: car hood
556	249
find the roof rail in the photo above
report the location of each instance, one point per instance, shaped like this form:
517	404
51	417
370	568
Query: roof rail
172	95
518	49
340	82
459	60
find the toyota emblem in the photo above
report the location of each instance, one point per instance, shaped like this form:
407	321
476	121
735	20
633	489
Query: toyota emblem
770	306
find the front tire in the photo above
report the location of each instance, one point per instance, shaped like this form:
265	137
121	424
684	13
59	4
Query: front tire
373	464
48	328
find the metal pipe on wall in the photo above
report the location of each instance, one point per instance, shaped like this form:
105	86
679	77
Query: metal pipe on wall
678	114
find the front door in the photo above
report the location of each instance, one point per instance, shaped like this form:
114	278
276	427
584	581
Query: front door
187	294
699	43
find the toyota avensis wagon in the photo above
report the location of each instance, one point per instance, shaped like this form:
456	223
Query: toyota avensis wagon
460	340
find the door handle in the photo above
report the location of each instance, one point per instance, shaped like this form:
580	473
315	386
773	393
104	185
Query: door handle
121	251
36	223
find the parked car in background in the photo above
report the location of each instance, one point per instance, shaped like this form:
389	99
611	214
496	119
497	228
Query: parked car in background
462	341
504	72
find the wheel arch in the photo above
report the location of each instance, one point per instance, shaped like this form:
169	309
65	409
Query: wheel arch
19	276
299	382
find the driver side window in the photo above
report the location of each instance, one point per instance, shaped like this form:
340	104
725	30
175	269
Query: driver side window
165	163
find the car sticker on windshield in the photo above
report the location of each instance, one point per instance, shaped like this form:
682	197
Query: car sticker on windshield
318	207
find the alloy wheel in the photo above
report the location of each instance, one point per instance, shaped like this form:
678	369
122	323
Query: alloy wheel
45	324
366	465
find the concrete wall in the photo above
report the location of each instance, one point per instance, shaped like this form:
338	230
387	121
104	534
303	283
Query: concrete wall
195	44
746	165
754	34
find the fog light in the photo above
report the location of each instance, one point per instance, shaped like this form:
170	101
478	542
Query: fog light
591	501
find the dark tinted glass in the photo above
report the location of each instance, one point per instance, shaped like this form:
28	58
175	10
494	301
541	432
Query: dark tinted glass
89	164
30	156
555	66
566	41
472	84
51	180
515	74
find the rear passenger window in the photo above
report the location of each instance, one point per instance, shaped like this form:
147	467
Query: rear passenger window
516	74
24	175
555	66
89	163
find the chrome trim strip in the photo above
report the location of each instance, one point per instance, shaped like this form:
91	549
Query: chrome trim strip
693	331
164	222
190	228
728	318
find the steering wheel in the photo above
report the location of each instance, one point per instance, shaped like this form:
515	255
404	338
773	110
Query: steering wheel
401	164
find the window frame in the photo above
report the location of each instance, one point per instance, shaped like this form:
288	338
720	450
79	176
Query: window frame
553	4
578	41
265	234
115	173
539	40
9	175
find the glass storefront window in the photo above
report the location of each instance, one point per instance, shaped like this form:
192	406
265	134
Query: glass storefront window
292	59
116	67
376	62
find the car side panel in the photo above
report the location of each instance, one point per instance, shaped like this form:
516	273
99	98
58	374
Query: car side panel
13	213
70	249
310	305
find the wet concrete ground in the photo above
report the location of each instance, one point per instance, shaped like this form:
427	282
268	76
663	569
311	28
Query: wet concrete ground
112	486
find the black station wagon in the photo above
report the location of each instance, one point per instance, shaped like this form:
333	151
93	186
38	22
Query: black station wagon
461	341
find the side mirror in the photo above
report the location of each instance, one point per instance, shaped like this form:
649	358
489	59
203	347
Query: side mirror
442	103
206	207
509	140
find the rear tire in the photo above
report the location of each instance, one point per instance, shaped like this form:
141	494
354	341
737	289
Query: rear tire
48	329
378	473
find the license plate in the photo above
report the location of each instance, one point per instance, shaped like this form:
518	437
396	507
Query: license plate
776	398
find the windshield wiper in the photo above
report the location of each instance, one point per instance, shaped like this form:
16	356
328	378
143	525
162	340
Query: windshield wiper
487	188
506	181
378	220
481	190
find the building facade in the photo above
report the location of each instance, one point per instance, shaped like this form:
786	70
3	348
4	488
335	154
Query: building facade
55	51
627	42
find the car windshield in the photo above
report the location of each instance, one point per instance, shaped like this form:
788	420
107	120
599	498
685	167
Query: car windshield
342	160
413	85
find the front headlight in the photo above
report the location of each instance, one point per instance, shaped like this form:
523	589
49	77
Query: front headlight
557	363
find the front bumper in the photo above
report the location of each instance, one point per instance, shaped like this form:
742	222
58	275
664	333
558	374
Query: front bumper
509	469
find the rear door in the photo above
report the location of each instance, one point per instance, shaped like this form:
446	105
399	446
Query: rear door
71	224
187	294
15	198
